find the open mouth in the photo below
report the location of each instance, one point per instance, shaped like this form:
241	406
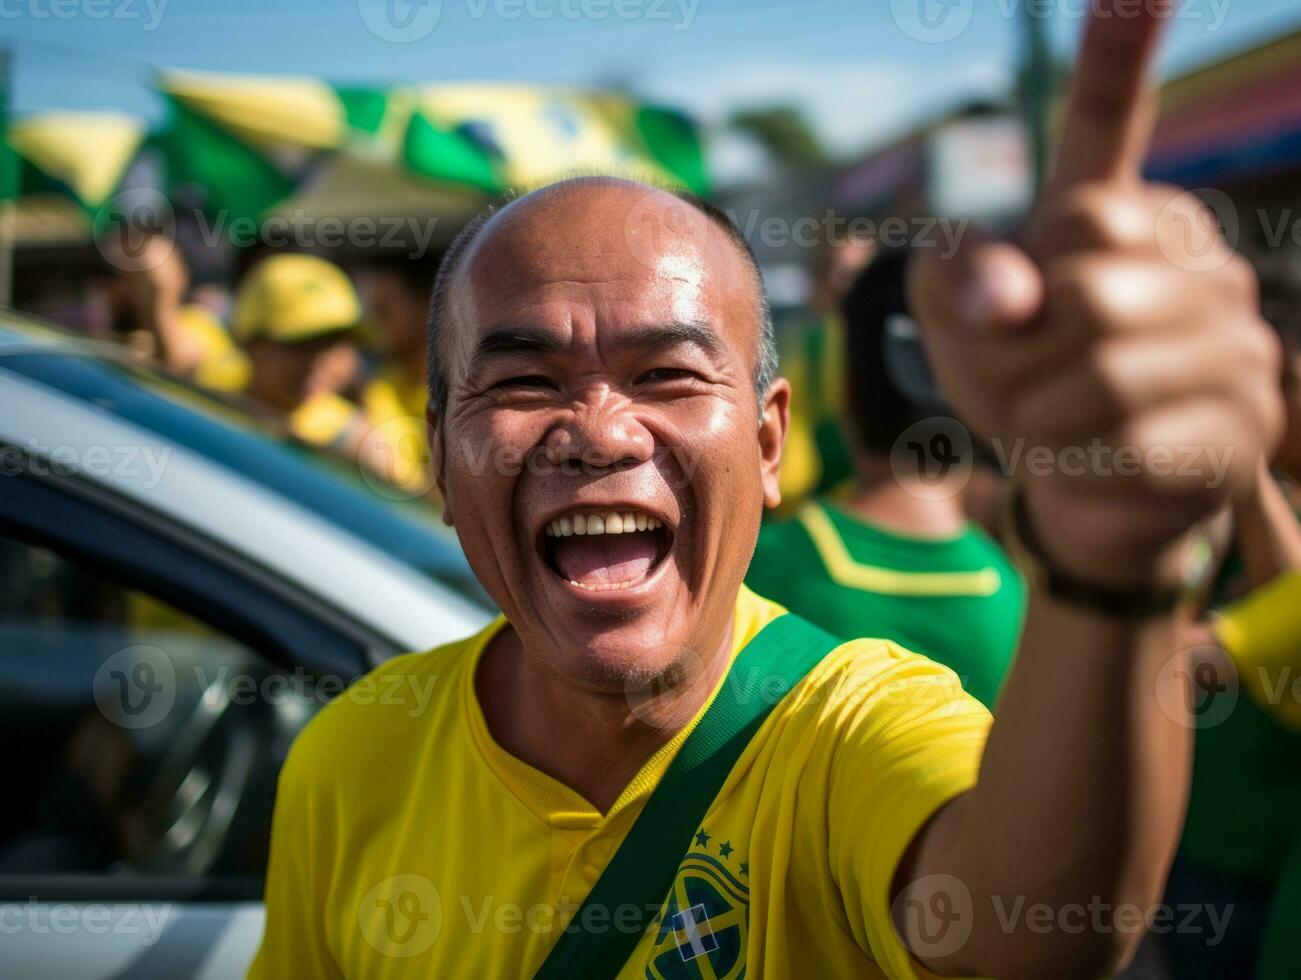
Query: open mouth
604	550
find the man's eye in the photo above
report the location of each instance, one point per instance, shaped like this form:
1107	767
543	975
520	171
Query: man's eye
526	381
666	374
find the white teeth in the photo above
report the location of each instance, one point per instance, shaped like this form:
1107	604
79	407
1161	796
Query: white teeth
615	522
604	587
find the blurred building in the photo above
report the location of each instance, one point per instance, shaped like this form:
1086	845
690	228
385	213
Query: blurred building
971	162
1232	131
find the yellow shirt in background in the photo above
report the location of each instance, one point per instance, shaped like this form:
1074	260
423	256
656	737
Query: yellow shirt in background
407	843
224	366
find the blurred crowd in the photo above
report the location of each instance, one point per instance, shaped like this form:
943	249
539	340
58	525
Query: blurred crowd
334	360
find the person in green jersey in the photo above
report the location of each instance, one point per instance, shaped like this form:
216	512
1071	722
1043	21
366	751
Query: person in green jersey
1240	853
894	555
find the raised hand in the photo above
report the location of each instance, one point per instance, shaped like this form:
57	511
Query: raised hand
1131	360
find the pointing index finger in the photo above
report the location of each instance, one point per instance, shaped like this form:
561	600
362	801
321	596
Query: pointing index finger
1109	116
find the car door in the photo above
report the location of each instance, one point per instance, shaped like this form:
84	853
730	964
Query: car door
148	695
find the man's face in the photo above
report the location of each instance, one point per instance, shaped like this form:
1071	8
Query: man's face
400	312
280	371
600	354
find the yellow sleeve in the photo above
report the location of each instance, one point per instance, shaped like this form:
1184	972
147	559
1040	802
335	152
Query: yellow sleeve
324	420
293	940
224	366
1262	634
911	744
399	437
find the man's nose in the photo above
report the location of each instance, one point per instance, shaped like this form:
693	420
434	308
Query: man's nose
601	434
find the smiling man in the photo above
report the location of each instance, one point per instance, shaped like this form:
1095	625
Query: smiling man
644	770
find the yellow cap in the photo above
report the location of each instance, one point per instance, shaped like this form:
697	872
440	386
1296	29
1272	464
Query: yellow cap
293	298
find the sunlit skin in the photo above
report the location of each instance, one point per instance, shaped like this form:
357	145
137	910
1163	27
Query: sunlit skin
610	368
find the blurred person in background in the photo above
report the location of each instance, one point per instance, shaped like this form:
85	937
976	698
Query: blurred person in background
812	356
298	317
889	556
395	293
1241	847
152	307
294	345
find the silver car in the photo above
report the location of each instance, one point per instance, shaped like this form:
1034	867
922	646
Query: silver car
179	593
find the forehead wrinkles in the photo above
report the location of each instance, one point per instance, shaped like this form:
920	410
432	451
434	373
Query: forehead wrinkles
589	235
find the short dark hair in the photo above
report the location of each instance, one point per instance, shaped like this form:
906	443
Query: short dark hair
1280	299
766	367
415	274
889	383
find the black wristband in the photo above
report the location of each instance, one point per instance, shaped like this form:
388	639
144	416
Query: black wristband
1113	602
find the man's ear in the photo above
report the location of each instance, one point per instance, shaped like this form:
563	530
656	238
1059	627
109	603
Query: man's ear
772	436
437	459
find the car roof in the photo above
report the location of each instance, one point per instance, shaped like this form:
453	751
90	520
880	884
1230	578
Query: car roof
301	516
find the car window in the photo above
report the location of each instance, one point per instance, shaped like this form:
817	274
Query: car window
407	530
142	739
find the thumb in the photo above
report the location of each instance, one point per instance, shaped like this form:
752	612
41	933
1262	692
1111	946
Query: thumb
987	286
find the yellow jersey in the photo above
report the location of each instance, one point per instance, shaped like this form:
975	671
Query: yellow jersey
407	843
224	366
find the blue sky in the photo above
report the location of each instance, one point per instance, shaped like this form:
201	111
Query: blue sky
861	68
